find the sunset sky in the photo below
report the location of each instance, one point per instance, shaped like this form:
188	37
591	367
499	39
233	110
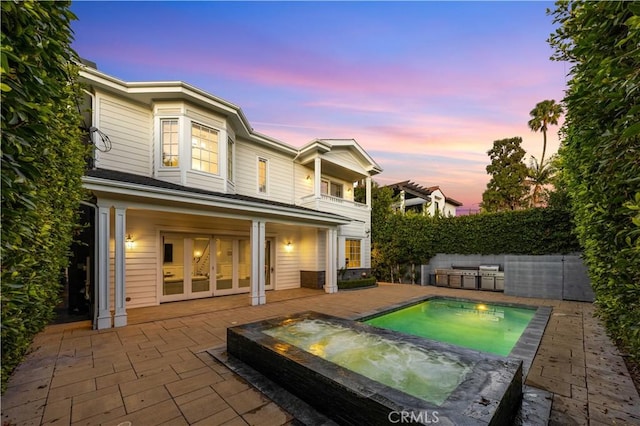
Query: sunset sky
424	87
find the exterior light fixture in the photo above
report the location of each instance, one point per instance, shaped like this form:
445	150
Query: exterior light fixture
288	247
308	177
128	242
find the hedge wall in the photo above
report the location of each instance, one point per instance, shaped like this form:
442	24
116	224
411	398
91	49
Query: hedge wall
600	152
414	239
42	165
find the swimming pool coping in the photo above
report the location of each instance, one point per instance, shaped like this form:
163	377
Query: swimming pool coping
525	348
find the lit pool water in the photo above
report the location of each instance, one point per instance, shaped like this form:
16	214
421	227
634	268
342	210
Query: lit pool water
426	374
480	326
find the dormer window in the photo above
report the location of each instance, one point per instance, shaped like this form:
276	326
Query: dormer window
170	142
204	148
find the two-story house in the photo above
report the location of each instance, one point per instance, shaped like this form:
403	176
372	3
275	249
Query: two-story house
425	200
190	202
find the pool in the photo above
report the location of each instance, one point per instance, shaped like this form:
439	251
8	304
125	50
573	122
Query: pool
423	373
475	325
358	374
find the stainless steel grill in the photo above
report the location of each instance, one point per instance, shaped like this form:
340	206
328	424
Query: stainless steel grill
442	277
469	276
491	278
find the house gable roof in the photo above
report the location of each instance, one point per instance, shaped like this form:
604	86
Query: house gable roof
422	192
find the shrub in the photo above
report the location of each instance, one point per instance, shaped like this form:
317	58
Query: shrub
600	152
42	165
363	282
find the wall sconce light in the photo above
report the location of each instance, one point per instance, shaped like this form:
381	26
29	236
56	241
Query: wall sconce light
349	190
308	177
288	247
128	242
197	255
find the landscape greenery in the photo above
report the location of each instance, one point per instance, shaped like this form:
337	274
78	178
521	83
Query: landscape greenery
42	165
600	152
403	242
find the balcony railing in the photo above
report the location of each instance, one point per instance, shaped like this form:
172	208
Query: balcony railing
333	200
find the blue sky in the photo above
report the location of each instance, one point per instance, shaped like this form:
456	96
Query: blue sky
424	87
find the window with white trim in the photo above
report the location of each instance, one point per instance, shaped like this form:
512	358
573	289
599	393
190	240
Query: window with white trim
230	146
263	170
170	142
331	188
204	148
353	253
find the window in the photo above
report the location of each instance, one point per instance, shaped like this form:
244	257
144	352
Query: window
204	148
335	188
262	175
170	145
352	252
230	159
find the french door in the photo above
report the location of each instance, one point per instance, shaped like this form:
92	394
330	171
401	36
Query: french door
196	266
232	266
186	267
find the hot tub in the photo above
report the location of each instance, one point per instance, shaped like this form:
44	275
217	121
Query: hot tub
342	372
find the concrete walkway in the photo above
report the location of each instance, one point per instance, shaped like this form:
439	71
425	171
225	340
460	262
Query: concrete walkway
158	373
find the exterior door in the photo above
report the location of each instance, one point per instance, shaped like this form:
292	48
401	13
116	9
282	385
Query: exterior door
269	264
232	266
186	267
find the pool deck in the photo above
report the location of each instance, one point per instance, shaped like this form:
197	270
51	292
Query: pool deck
156	370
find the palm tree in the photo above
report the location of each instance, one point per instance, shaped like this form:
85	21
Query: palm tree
539	176
545	113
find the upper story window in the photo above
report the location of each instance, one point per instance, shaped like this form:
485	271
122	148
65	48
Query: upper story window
331	188
230	156
353	253
204	148
170	142
263	170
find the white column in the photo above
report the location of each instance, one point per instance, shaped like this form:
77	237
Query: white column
317	179
102	283
258	296
330	280
368	189
120	318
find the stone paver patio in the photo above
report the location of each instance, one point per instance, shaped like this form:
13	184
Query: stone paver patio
157	372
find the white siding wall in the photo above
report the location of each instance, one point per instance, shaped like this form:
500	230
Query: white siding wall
302	186
142	262
130	131
280	172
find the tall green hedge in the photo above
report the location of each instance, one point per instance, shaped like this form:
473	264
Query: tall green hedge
601	151
42	165
414	239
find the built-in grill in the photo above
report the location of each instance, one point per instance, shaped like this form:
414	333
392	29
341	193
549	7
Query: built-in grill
442	277
455	278
491	278
469	276
483	277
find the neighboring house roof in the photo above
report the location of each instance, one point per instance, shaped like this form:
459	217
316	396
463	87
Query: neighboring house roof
96	178
422	192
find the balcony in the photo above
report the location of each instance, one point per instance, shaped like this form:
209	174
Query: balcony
337	205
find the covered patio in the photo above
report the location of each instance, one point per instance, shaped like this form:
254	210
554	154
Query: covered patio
158	372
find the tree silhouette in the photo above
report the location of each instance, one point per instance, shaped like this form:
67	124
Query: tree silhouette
545	113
